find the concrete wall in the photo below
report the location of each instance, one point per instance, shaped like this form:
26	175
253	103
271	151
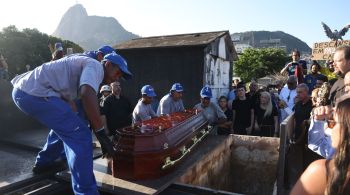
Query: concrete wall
241	164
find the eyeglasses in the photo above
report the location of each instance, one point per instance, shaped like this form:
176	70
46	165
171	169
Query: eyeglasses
331	123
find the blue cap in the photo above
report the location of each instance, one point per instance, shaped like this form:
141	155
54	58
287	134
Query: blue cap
58	46
106	49
177	87
148	90
206	92
91	54
120	61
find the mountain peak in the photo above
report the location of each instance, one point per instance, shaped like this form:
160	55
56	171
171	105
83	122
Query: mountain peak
76	10
90	32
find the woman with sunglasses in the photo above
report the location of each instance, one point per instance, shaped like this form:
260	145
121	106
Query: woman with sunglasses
331	176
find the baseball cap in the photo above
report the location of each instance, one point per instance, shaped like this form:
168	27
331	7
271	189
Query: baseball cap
105	88
106	49
58	46
177	87
91	54
120	61
206	92
148	90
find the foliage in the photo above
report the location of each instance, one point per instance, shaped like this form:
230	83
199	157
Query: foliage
28	46
257	63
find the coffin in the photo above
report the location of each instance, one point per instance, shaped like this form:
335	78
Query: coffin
155	147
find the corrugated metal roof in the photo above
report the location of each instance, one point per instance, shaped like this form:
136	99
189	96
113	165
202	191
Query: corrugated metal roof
180	40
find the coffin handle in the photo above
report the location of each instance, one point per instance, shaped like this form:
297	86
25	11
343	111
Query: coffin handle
169	163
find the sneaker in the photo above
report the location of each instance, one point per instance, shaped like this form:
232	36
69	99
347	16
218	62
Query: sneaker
53	167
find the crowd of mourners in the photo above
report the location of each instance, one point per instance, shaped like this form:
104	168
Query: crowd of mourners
323	121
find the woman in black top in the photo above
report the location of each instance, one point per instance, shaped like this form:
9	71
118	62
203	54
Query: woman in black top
266	117
225	128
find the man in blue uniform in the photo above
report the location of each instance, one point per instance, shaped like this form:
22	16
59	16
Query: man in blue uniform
143	109
60	94
100	53
172	102
212	112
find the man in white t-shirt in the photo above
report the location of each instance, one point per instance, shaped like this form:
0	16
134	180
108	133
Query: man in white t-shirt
287	97
143	109
59	94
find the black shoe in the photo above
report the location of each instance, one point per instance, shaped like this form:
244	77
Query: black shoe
53	167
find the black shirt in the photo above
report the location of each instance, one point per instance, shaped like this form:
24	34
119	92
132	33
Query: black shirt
228	114
222	130
268	120
242	110
254	99
301	112
337	90
117	112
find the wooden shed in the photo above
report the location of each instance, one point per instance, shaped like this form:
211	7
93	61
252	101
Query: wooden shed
193	60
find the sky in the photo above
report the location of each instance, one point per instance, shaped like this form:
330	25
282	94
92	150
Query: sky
300	18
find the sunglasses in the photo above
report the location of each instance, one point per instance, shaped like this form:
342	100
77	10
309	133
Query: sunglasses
331	123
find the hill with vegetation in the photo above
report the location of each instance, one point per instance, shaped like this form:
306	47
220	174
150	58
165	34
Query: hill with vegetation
91	32
258	39
28	47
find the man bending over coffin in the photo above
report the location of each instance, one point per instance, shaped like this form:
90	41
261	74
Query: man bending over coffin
171	102
143	109
61	94
212	112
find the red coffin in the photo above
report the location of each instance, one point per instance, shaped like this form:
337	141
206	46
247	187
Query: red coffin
155	147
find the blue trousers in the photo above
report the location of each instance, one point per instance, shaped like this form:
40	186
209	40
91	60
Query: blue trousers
68	131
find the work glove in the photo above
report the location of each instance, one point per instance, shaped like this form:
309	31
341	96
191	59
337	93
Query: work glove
108	150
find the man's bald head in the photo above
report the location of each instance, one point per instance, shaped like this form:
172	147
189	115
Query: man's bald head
292	78
292	82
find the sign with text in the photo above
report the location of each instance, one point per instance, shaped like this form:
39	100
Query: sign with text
325	50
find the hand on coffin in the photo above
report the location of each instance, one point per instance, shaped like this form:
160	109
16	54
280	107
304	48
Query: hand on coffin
107	148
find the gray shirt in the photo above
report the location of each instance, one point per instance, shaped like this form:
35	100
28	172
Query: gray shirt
167	105
61	78
212	113
142	112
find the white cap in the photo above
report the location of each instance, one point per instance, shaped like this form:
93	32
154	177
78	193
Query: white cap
105	88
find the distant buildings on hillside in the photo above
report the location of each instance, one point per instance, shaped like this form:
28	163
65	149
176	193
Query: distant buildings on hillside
247	40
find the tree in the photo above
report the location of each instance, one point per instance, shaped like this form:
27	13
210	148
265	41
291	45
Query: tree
28	46
257	63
